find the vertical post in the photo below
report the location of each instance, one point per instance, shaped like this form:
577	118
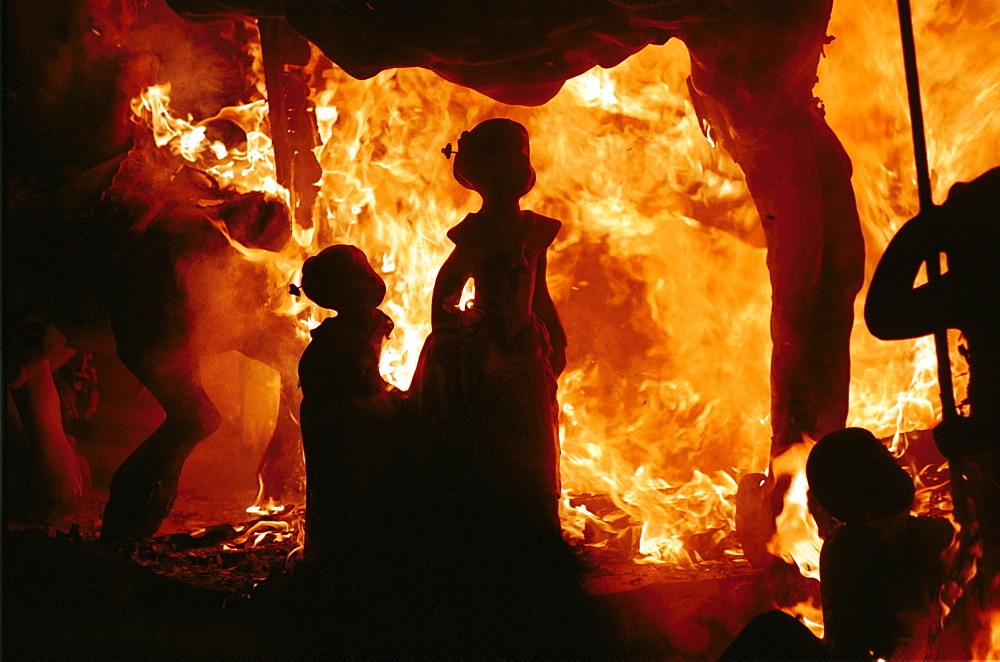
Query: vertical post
948	409
270	42
291	114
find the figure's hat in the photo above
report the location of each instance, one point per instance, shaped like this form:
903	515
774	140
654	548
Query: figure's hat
852	475
497	146
340	277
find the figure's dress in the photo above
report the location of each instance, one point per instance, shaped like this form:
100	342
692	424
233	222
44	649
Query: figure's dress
487	387
350	418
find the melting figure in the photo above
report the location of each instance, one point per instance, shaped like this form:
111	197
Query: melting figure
752	78
180	291
46	476
751	84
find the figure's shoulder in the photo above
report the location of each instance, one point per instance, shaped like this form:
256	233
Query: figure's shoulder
329	332
543	230
847	546
464	232
849	535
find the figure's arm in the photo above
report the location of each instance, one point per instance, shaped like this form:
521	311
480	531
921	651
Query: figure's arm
448	286
895	309
545	310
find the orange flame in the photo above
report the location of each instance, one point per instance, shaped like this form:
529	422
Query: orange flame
987	644
659	272
796	539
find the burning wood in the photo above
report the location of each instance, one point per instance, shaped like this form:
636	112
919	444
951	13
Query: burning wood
292	115
658	272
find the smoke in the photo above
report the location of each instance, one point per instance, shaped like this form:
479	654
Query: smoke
207	63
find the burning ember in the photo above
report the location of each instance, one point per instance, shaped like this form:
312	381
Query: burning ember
659	272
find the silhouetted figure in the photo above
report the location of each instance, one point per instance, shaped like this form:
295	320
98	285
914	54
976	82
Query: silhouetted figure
350	415
352	587
487	376
881	569
966	229
485	387
752	78
179	292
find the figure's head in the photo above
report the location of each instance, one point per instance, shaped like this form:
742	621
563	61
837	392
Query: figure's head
854	477
340	278
494	159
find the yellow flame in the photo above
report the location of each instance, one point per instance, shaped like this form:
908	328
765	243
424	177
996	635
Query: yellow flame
659	271
796	539
987	644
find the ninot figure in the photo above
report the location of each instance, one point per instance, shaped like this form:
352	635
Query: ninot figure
350	416
486	381
881	568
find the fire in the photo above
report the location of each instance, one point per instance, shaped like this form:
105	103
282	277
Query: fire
894	384
659	271
987	645
248	167
797	537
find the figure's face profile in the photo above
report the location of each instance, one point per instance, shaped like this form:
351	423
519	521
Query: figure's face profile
494	159
341	278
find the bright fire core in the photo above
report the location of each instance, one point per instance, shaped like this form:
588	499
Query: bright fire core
659	271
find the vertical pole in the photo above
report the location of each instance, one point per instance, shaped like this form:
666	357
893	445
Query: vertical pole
948	409
291	114
277	105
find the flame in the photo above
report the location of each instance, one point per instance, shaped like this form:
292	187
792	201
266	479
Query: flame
987	644
659	271
248	167
796	538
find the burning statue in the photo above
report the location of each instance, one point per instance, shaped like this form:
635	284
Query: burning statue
173	304
753	69
812	236
491	369
468	460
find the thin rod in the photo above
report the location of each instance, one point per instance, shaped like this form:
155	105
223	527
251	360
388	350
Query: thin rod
948	408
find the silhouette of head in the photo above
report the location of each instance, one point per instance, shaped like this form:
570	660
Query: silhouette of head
340	278
853	477
494	159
